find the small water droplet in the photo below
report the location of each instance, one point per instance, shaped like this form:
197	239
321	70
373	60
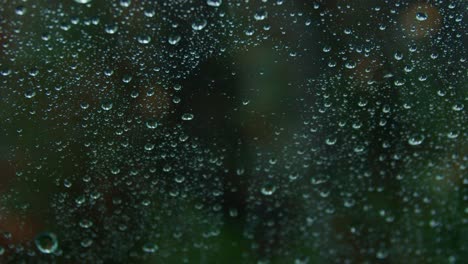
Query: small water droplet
420	16
20	10
46	242
173	39
199	24
187	117
260	15
83	1
144	39
268	190
151	124
214	3
458	107
416	140
331	141
85	223
87	242
111	28
106	105
29	93
150	247
382	254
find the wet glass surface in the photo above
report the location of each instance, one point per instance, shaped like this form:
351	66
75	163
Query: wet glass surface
219	131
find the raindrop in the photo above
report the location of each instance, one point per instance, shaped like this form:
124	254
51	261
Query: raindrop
46	242
458	107
260	15
420	16
382	254
199	24
187	117
330	141
150	247
214	3
268	190
106	105
125	3
350	65
29	93
87	242
144	39
83	1
111	28
151	124
398	55
85	223
173	39
20	10
416	140
84	105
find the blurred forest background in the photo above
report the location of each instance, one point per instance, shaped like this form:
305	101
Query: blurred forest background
233	131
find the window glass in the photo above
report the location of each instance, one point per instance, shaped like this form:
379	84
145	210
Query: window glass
217	131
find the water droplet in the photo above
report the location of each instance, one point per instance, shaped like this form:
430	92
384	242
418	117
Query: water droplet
20	10
149	146
85	223
420	16
398	55
458	107
111	28
330	141
260	15
249	31
382	254
151	124
87	242
144	39
83	1
416	140
268	190
173	39
326	49
214	3
150	247
350	65
29	93
187	117
46	242
125	3
127	78
106	105
199	24
453	134
84	105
